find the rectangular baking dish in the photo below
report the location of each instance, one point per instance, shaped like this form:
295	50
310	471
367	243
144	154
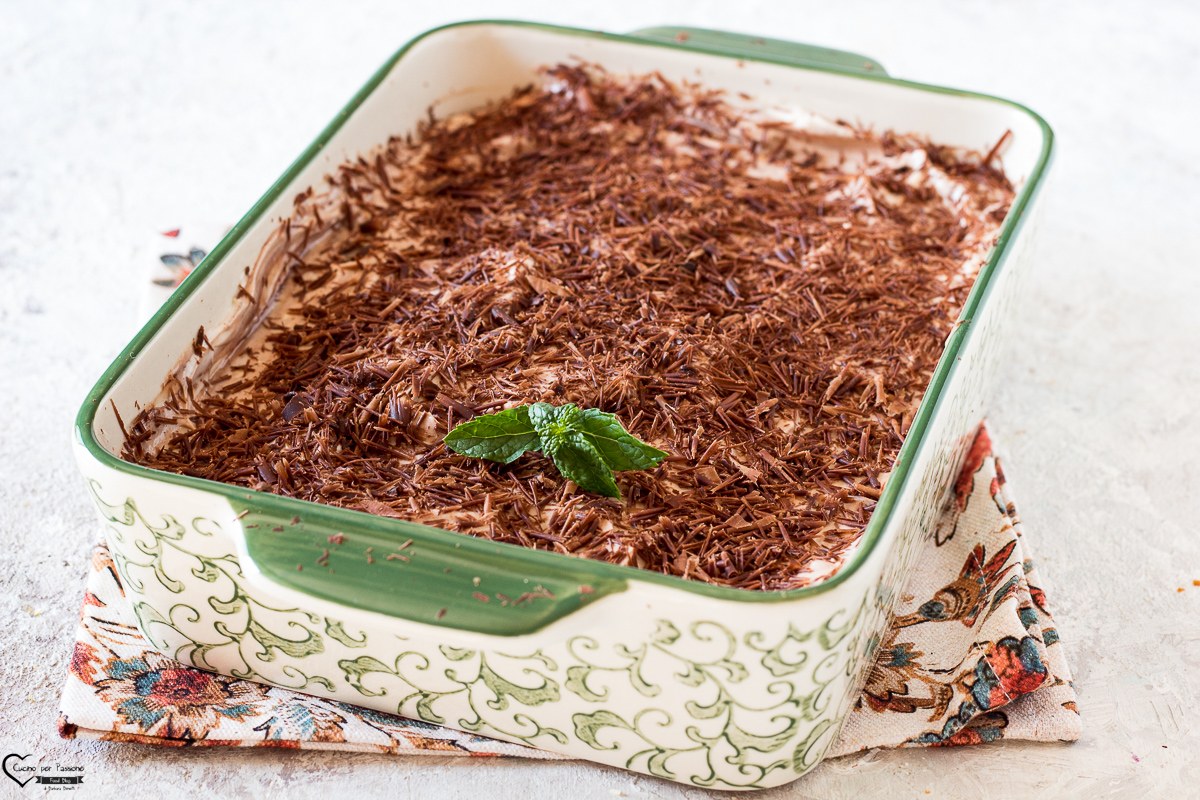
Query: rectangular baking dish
701	684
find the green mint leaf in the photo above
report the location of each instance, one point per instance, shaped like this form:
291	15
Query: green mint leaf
578	461
500	437
585	445
541	416
553	423
620	449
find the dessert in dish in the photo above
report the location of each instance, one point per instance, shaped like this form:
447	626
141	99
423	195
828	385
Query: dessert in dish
760	296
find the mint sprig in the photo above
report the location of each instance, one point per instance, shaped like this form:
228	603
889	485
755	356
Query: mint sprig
586	445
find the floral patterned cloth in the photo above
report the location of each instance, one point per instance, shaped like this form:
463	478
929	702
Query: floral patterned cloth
972	657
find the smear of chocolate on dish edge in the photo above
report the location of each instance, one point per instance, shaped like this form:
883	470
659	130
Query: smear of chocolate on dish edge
737	297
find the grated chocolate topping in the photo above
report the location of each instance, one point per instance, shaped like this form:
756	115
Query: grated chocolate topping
765	303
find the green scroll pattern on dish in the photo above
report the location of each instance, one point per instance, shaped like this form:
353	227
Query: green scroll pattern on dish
682	700
240	640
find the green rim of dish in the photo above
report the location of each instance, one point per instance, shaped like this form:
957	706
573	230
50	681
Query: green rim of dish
579	569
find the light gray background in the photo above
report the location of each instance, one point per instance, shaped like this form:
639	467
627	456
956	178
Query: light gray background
121	121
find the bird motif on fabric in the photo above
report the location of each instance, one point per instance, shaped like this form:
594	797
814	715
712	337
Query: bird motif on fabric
964	599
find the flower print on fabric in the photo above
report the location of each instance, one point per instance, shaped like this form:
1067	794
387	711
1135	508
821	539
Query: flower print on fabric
974	657
164	698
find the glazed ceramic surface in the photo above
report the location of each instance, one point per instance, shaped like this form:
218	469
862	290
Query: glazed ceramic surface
694	683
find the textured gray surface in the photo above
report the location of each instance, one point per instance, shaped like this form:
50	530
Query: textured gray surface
118	124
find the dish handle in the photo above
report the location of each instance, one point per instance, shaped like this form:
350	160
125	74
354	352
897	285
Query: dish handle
759	47
413	572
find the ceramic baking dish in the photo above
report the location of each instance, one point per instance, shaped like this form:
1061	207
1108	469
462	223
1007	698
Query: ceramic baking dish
695	683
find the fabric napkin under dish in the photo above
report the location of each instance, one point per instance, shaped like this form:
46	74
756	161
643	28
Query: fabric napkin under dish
972	656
